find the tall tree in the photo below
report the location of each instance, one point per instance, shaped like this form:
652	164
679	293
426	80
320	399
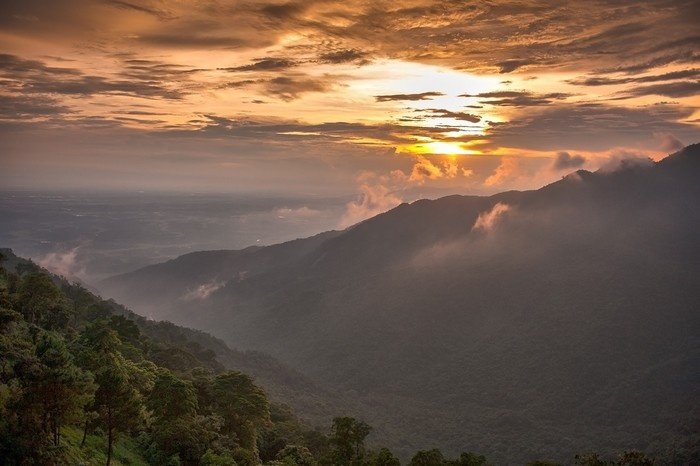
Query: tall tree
117	403
348	440
63	388
243	406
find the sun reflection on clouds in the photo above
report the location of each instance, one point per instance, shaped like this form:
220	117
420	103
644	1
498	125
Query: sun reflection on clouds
397	78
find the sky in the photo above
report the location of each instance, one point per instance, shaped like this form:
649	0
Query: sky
384	100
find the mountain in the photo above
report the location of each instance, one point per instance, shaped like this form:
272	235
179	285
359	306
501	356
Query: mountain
524	324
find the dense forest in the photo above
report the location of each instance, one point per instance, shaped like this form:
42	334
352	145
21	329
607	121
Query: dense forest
82	383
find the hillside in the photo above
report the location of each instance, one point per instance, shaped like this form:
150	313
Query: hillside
525	324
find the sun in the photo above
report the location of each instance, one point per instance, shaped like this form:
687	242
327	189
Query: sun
437	148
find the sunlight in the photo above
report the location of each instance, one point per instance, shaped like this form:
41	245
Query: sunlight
437	148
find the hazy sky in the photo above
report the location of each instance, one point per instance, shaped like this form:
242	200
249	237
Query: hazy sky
381	98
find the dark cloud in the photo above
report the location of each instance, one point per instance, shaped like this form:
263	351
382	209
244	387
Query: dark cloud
160	14
13	65
663	60
35	77
566	161
241	83
265	64
356	56
285	10
607	81
293	86
518	98
344	131
499	36
672	89
462	116
14	107
512	64
592	126
413	97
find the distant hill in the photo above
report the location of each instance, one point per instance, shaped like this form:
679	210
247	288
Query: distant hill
525	324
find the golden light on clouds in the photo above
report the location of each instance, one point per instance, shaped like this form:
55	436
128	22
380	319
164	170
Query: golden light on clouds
343	87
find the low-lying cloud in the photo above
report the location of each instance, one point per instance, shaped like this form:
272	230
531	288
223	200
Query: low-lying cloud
63	263
567	161
203	291
487	220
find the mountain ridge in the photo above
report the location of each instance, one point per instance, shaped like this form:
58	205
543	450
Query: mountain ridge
501	322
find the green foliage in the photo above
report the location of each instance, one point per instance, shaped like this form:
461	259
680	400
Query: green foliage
213	459
172	398
243	406
296	455
348	440
383	457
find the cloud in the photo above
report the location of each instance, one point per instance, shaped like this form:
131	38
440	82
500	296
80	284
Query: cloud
35	77
160	14
265	64
487	220
356	56
203	291
411	97
375	197
608	81
508	168
63	263
592	126
512	64
566	161
623	159
20	107
425	169
673	89
292	87
668	142
461	116
518	98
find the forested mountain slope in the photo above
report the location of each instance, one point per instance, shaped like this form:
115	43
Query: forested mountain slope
86	381
522	324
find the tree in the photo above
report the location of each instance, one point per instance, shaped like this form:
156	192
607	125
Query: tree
117	403
635	458
383	457
177	429
38	296
63	388
172	397
432	457
347	438
296	455
243	406
591	459
471	459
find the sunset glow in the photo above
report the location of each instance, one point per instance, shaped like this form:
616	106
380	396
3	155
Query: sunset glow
154	87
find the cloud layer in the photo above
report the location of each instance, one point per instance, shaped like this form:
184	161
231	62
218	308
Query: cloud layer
304	93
